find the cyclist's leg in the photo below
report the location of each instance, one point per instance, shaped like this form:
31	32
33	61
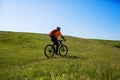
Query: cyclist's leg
57	46
53	40
55	43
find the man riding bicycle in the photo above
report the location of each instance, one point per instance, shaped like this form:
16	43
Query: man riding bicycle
54	35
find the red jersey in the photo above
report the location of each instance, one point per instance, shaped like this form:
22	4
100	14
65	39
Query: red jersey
55	33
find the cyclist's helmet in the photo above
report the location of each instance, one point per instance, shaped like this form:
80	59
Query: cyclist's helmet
58	28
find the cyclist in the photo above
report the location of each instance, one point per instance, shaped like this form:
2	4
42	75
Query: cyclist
54	35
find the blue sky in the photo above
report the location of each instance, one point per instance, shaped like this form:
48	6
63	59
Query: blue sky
98	19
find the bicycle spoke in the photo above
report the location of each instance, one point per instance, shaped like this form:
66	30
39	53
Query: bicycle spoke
63	50
49	51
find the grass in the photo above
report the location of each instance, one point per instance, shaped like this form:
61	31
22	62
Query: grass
22	58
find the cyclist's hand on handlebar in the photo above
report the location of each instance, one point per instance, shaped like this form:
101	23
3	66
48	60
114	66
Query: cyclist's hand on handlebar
64	39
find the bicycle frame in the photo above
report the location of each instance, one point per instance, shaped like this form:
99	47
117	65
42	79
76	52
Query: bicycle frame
59	43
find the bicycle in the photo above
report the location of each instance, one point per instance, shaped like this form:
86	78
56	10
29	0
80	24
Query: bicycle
50	49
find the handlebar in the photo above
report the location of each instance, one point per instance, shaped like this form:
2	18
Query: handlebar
60	41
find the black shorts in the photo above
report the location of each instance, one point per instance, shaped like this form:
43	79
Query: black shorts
54	40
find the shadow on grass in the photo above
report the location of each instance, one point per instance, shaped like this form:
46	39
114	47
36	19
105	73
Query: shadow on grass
67	57
86	50
117	46
75	57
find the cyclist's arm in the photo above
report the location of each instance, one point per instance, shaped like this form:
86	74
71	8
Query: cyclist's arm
62	37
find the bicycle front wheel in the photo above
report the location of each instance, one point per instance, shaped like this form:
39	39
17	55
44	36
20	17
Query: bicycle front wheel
49	51
63	50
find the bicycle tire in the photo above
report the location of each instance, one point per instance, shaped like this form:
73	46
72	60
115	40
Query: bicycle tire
49	51
63	50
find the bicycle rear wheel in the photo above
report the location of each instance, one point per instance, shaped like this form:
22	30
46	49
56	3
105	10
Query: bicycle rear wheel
49	51
63	50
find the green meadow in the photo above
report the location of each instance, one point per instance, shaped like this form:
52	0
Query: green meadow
22	58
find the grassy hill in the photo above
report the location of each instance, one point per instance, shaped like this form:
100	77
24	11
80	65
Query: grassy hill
22	58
